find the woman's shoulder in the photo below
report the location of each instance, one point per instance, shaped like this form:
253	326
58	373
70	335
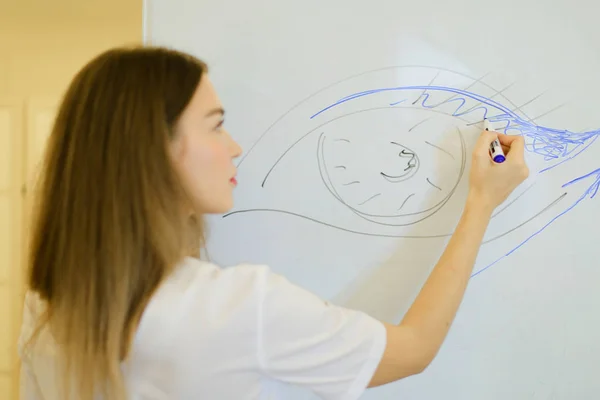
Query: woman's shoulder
33	307
193	272
196	285
200	301
202	290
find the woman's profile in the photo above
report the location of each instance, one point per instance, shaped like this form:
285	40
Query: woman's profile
120	304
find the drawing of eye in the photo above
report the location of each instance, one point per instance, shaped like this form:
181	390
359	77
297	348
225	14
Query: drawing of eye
386	153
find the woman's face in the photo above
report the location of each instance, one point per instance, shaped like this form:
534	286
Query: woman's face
203	152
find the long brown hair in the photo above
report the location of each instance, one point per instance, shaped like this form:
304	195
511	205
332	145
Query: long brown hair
109	224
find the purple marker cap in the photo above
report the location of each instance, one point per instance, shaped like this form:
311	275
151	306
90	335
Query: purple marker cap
499	158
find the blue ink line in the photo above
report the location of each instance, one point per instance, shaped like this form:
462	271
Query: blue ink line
570	157
551	144
595	172
591	191
474	96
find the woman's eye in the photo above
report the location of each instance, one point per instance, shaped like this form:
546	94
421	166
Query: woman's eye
387	154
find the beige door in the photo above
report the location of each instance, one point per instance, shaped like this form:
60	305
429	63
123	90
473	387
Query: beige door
21	149
41	112
11	161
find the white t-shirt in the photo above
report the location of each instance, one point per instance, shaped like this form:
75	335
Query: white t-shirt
242	332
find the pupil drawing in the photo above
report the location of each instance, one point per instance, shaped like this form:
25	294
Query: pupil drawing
374	168
386	153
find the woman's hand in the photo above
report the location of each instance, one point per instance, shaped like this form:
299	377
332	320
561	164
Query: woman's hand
491	183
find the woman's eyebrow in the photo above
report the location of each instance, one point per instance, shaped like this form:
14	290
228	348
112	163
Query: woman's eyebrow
215	111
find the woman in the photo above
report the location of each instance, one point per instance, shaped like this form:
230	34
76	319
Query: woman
120	305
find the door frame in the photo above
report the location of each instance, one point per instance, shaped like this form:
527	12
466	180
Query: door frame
14	282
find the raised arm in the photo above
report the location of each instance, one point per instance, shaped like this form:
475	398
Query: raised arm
413	344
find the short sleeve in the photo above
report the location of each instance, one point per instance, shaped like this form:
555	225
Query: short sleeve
306	341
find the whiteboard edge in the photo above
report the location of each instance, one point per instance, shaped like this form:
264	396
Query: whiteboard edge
145	22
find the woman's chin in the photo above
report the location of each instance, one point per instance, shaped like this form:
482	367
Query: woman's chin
220	208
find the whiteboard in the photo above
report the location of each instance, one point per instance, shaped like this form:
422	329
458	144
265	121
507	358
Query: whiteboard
357	121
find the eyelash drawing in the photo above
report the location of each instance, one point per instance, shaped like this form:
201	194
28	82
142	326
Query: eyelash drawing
384	160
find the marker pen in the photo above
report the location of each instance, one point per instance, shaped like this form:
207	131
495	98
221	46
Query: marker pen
495	147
